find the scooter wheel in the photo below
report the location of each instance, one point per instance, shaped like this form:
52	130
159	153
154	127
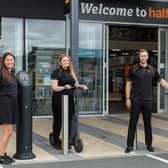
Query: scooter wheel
51	138
79	146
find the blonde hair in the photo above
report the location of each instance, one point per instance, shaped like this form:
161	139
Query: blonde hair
70	68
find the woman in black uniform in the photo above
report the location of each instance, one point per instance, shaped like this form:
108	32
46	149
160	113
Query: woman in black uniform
8	104
63	82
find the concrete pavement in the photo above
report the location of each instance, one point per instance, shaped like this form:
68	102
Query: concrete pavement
103	137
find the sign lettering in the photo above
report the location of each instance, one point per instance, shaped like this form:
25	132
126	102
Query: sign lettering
145	12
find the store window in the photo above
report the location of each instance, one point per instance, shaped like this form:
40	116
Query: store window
45	40
11	39
90	67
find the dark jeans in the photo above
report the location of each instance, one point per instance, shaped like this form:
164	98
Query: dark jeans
57	115
137	107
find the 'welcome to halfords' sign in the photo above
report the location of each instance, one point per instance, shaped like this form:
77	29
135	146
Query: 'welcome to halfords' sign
125	11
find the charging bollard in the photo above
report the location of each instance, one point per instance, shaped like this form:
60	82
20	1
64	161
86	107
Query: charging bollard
24	118
65	121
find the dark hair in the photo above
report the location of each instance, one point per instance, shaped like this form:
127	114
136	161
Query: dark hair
6	76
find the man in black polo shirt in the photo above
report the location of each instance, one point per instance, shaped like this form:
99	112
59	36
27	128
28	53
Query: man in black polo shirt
139	98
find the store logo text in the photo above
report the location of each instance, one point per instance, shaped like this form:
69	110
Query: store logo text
100	9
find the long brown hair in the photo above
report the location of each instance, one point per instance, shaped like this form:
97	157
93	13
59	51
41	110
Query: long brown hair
6	76
70	68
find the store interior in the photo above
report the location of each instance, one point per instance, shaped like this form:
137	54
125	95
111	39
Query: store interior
124	43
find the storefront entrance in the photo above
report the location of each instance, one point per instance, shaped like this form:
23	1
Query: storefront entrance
124	42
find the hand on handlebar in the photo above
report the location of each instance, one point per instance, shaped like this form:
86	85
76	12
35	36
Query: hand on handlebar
68	86
84	87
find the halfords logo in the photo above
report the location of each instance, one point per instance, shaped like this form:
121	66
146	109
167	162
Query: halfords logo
24	77
67	1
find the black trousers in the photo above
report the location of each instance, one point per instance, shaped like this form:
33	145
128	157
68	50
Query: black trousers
137	107
57	115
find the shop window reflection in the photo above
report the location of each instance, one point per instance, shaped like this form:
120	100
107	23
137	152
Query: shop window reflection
45	41
91	68
42	61
90	73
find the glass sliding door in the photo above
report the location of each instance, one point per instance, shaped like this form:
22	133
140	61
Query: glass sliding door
45	40
91	67
163	64
11	39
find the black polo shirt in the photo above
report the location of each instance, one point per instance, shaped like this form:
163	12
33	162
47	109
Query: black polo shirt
142	79
64	78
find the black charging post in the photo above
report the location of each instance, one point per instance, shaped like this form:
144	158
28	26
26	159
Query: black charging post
24	118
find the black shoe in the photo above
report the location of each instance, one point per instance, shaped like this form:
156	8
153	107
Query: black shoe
150	148
58	145
129	149
4	160
8	158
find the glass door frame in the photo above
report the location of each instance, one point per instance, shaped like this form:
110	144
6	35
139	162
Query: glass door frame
105	69
160	30
105	47
101	43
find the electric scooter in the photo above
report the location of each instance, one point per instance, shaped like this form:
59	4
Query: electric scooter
75	139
